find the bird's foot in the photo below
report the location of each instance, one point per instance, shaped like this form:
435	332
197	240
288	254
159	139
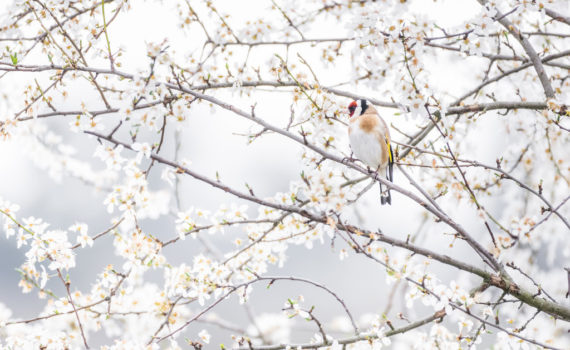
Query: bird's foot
348	160
372	171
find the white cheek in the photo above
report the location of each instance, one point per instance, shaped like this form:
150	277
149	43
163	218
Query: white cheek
357	111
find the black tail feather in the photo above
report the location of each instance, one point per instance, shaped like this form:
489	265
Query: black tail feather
390	176
385	198
388	197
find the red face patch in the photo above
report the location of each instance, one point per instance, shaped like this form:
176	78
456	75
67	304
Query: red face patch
352	108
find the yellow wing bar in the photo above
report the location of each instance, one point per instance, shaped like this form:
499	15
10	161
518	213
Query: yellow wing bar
388	144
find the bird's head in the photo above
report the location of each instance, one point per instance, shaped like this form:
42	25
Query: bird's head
357	107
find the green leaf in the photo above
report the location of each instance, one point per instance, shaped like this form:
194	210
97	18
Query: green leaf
14	58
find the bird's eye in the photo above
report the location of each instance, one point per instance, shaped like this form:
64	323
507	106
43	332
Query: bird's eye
351	109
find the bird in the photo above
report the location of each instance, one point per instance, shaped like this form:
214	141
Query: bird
369	139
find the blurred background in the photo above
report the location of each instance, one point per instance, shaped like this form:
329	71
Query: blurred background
213	140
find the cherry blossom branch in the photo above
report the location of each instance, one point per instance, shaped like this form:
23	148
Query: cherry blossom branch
66	284
502	282
538	286
198	95
477	247
550	212
359	249
465	182
227	223
284	42
87	307
38	38
272	280
245	285
93	78
253	243
101	234
40	318
536	62
506	175
166	320
349	340
478	107
419	188
314	217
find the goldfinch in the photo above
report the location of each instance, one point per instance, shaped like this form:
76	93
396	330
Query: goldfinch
370	141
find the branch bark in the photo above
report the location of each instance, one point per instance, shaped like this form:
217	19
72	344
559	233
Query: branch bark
557	16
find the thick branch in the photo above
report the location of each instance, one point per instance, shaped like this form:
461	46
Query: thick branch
557	16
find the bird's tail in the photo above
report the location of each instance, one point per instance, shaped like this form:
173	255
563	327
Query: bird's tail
386	197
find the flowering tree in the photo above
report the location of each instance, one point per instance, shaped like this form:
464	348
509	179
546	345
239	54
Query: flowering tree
472	251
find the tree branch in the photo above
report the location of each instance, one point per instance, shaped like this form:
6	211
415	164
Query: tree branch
536	62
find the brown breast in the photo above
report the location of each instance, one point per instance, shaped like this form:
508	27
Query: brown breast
368	122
